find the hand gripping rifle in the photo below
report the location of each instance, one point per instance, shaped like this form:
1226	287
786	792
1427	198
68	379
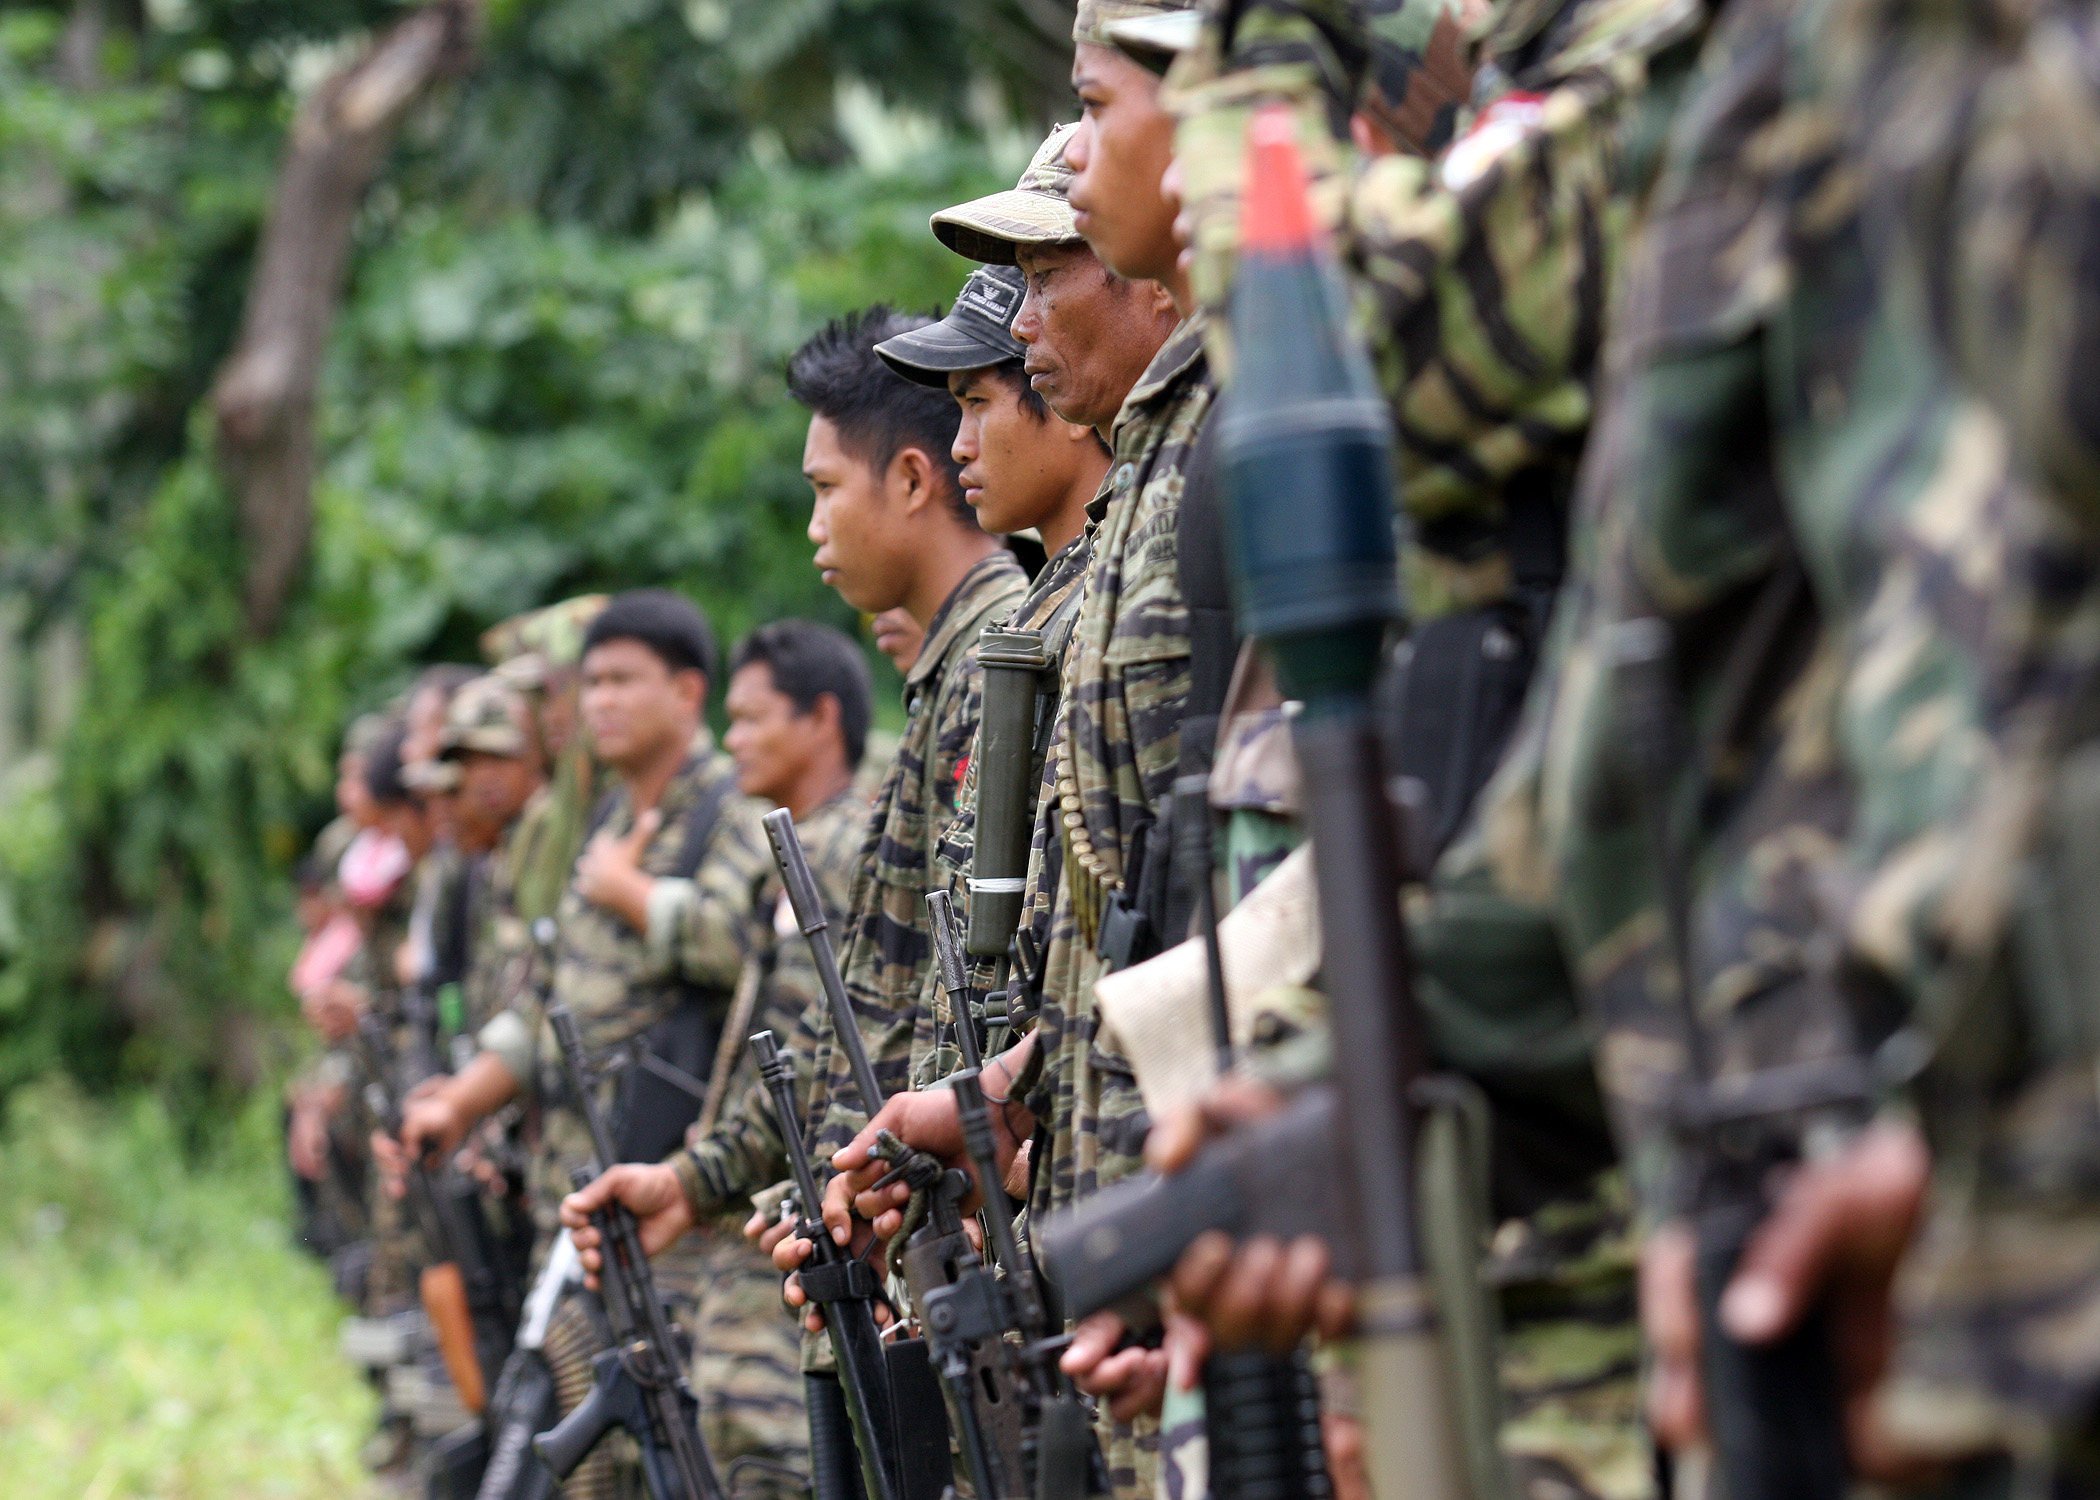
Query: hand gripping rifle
888	1388
997	1340
1775	1409
640	1381
470	1291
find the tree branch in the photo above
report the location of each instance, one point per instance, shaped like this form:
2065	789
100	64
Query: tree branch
263	399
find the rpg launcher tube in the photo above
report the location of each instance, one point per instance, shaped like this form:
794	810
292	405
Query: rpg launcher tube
1305	455
1014	663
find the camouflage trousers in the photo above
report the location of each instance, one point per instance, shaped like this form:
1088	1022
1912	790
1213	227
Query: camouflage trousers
725	1296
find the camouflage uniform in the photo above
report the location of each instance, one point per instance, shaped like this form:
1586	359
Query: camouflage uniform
746	1361
618	985
1113	758
1973	130
1780	425
1481	278
1051	606
885	952
743	1154
527	651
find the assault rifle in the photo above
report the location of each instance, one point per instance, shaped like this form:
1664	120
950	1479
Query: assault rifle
640	1381
471	1291
889	1387
995	1336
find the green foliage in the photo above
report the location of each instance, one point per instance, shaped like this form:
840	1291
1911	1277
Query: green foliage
557	368
126	1369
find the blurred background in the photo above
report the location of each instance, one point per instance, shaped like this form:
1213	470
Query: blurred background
332	332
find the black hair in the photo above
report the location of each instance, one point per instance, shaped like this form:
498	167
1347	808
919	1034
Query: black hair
878	413
1014	375
384	768
807	661
669	624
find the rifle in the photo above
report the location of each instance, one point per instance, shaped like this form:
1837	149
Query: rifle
998	1343
471	1291
889	1386
640	1381
1774	1409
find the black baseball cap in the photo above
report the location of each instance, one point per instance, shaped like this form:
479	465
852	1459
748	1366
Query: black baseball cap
977	332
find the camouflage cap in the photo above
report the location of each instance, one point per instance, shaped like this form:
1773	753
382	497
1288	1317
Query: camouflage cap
1034	211
366	731
488	717
1093	24
977	332
526	648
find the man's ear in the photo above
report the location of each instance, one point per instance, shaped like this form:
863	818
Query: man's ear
912	480
692	689
829	716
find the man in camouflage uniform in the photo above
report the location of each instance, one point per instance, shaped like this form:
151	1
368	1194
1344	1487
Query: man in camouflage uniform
1125	687
539	653
1024	468
489	736
800	701
1485	270
647	661
891	528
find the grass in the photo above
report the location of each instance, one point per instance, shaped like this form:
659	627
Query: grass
159	1334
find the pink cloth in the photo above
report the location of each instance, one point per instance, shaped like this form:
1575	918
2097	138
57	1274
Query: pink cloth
373	868
324	954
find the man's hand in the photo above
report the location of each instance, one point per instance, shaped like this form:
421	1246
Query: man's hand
1133	1379
334	1009
432	1123
650	1192
767	1230
1260	1292
306	1136
1835	1237
609	873
790	1251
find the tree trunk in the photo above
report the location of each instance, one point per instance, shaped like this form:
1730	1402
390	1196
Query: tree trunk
263	399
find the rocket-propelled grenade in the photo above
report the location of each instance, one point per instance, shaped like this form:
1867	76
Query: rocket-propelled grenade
1305	453
1306	443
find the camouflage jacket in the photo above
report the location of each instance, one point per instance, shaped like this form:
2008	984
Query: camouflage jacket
1112	763
1050	605
499	948
1972	128
608	974
884	952
743	1154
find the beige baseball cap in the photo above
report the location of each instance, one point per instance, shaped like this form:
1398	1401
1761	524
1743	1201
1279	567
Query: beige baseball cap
1095	21
1034	211
1155	37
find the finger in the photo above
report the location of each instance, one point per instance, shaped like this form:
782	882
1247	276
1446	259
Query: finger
1174	1139
1187	1347
1288	1318
1142	1389
1092	1339
1786	1261
1201	1268
644	830
1336	1310
1236	1309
